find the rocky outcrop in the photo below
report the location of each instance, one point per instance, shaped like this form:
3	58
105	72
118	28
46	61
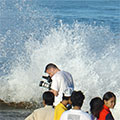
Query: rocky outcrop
19	105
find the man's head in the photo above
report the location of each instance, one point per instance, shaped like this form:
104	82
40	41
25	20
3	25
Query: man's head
66	99
48	98
67	95
51	69
77	98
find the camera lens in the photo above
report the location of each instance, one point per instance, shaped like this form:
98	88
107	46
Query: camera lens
41	82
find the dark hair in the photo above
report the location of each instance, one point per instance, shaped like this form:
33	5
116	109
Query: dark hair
96	105
77	98
50	65
48	97
65	97
108	95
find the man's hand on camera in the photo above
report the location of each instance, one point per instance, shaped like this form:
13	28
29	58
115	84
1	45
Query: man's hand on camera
54	92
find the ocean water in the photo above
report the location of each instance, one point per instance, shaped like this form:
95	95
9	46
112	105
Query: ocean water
80	36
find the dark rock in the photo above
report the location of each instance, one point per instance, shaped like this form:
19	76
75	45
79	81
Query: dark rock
19	105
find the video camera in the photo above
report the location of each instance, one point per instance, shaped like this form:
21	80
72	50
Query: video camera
46	84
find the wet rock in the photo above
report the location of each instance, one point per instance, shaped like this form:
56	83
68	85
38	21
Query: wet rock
19	105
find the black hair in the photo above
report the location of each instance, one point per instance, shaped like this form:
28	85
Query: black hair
96	105
50	65
108	95
65	97
77	98
48	97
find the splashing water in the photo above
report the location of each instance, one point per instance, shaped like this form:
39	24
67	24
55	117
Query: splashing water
89	52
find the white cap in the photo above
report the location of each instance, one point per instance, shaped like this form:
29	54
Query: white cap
68	92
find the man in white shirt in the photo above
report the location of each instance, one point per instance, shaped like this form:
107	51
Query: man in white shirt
47	112
76	113
61	80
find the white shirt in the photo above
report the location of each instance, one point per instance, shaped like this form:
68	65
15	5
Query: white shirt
60	82
75	115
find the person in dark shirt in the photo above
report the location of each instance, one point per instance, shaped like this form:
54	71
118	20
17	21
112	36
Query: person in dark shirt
96	105
109	102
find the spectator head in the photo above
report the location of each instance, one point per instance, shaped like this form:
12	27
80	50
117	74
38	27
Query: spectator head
96	105
109	99
77	98
67	95
51	69
48	98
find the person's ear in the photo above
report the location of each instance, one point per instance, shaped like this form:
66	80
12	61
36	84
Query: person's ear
70	102
44	102
105	102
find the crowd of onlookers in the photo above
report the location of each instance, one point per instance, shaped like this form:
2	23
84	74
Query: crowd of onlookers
62	102
70	107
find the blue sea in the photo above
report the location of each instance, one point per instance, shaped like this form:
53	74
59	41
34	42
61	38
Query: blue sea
79	36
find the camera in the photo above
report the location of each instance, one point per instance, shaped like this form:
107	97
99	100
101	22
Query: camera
46	84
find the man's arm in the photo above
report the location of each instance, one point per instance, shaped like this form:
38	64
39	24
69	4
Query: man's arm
54	92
